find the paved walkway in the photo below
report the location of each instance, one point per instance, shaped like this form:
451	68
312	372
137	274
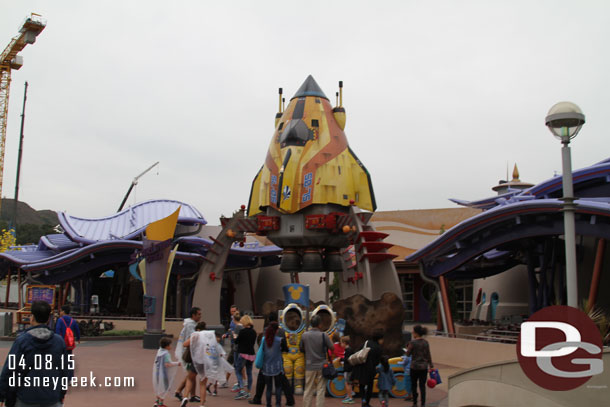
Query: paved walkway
127	359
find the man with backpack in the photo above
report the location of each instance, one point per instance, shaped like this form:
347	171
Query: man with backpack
37	343
67	328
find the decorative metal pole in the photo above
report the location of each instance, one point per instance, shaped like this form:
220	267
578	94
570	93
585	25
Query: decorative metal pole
565	120
569	224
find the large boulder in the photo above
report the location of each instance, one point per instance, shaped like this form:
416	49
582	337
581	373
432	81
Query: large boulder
364	317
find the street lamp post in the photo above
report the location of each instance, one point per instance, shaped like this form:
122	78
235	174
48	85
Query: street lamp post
565	120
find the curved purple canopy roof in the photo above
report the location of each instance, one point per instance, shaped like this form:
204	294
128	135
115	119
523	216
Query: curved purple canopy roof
584	180
88	244
491	229
127	224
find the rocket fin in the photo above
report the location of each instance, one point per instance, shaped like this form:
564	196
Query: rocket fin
254	206
362	182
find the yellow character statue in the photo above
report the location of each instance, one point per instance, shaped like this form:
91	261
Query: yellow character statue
292	320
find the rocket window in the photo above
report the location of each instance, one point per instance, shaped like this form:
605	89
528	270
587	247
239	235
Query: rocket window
299	109
281	126
314	123
296	134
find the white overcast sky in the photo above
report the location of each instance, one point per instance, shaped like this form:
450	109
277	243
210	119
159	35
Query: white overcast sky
440	95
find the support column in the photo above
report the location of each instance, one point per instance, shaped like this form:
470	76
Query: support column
597	272
66	292
178	297
19	288
439	317
447	307
533	299
326	288
8	287
252	291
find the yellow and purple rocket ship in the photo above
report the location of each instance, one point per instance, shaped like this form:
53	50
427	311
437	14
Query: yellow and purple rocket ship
310	175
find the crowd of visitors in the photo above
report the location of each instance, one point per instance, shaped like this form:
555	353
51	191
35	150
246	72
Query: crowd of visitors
208	367
361	367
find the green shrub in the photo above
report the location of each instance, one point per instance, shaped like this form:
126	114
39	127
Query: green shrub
123	332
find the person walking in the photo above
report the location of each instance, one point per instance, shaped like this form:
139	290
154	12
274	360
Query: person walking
232	358
315	344
191	371
385	381
365	373
347	370
39	341
231	331
164	370
66	325
421	361
260	380
273	364
188	327
245	356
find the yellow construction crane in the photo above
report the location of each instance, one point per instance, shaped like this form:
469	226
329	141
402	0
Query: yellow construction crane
9	60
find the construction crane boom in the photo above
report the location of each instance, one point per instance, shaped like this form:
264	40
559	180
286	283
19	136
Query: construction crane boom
134	183
9	60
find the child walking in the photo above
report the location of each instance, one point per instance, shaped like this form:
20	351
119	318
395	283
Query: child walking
347	369
385	381
214	384
164	370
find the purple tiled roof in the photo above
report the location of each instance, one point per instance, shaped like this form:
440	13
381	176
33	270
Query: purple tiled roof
127	224
21	257
57	242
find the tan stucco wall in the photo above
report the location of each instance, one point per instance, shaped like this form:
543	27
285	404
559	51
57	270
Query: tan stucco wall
505	385
411	230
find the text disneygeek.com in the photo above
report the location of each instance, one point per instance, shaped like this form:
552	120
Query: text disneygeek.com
17	380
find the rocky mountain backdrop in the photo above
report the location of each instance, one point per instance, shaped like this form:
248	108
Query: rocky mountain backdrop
31	224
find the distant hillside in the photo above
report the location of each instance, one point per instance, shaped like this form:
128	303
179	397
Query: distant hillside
26	214
31	224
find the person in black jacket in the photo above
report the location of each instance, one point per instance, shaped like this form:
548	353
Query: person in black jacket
365	373
245	356
421	361
28	365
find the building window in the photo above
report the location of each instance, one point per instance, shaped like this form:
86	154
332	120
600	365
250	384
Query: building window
407	285
463	296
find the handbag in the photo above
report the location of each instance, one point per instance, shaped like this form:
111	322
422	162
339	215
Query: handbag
260	355
359	357
328	369
435	375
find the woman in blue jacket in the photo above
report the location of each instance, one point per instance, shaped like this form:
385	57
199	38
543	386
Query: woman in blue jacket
273	364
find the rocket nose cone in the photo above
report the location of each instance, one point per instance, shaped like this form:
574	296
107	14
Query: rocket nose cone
309	88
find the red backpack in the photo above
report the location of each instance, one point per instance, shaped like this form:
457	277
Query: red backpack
69	336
